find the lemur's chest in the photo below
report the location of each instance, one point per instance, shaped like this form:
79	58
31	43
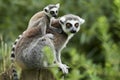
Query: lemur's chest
59	40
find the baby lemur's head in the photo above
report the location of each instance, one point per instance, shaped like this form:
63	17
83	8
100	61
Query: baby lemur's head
71	23
52	10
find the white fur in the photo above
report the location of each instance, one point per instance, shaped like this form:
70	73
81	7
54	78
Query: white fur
58	5
20	36
12	52
62	19
46	8
16	40
13	46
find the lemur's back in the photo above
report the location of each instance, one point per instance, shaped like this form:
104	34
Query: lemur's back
39	17
29	37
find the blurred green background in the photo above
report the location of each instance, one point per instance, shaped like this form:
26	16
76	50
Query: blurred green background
93	53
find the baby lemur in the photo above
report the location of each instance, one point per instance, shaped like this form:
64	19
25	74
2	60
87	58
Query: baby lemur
28	52
41	19
46	16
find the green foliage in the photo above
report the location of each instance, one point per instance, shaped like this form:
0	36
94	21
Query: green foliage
4	58
92	54
48	53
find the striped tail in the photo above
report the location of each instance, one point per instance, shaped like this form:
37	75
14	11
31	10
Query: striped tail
14	71
13	48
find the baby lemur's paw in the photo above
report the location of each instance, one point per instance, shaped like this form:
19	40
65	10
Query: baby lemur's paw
51	36
63	67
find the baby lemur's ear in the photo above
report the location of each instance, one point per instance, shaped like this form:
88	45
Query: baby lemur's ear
46	9
58	5
62	20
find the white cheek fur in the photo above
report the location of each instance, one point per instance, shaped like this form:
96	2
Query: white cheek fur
64	29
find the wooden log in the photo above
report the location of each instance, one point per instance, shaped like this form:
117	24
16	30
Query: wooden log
42	74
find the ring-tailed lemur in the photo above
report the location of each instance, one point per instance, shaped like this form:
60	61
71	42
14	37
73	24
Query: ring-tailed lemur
28	51
69	24
40	18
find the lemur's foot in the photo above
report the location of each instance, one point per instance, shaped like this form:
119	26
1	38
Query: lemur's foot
63	67
51	36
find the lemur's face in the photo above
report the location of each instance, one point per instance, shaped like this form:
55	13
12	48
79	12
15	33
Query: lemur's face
52	10
71	23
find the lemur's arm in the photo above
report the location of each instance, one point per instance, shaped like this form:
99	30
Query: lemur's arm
55	26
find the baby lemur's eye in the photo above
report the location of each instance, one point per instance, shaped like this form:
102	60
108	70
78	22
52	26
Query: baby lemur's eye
76	25
68	25
52	12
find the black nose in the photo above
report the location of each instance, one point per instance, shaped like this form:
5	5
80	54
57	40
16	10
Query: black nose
73	31
54	15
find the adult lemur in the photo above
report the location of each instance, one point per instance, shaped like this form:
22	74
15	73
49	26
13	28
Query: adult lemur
29	52
69	25
41	19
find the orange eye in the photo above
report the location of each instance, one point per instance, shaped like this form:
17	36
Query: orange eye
76	25
68	25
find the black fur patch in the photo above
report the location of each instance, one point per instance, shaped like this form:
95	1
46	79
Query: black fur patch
13	70
53	6
12	55
13	49
15	42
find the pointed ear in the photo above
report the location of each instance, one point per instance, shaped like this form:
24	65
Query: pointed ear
58	5
81	20
62	20
46	9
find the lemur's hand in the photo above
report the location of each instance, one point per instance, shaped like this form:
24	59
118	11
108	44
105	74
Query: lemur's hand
63	67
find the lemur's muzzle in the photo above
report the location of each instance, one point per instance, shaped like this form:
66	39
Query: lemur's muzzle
53	14
73	31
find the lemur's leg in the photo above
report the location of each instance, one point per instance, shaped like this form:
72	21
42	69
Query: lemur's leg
58	61
43	26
